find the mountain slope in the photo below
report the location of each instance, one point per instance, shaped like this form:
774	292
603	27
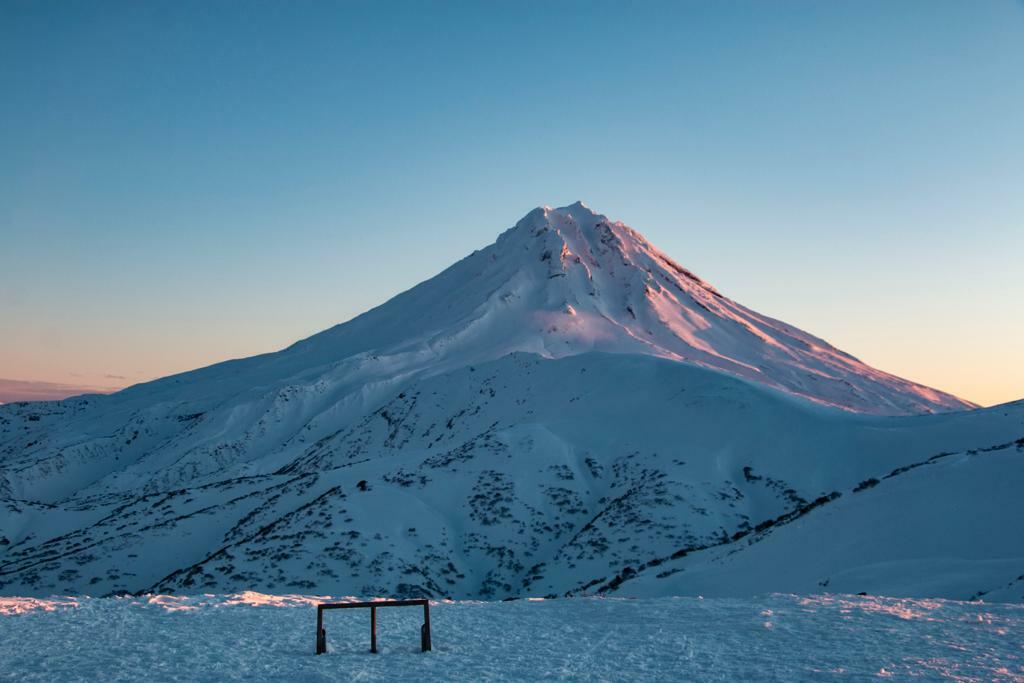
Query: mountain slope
520	476
950	525
558	413
560	282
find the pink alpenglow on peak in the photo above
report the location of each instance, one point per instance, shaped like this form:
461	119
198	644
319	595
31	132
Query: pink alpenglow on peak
627	295
568	280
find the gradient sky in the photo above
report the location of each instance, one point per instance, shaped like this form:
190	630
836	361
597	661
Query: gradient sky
185	183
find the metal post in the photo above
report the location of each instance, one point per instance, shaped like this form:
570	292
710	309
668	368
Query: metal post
373	630
321	634
425	629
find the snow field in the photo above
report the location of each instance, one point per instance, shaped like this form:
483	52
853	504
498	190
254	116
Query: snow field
271	638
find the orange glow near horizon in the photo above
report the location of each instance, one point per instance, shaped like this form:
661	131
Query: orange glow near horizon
981	375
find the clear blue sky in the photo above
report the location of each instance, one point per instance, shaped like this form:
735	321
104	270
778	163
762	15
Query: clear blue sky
182	183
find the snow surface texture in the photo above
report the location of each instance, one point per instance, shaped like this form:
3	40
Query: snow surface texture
565	412
269	638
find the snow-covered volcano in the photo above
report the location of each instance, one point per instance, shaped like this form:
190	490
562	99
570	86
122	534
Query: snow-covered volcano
559	283
560	412
566	281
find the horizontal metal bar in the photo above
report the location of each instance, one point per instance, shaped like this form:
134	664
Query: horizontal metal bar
377	603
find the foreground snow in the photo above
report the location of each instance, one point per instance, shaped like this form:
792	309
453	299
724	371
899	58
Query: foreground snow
252	636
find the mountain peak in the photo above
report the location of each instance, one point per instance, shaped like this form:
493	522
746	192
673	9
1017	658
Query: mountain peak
569	280
564	282
562	216
627	296
578	208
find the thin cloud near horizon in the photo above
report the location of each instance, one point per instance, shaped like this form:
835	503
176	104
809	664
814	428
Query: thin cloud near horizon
16	391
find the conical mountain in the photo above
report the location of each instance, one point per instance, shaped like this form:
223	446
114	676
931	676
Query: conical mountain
560	282
566	411
569	280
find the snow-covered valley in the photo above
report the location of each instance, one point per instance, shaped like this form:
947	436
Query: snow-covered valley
566	412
